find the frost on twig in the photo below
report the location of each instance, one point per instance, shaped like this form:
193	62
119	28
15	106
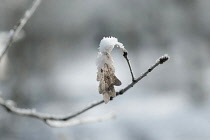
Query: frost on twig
106	71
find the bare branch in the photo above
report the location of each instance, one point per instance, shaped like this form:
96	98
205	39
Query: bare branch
48	118
17	28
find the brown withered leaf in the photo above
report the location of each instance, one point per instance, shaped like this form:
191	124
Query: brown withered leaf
107	82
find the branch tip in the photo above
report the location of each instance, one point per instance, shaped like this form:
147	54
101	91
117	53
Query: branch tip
125	54
163	58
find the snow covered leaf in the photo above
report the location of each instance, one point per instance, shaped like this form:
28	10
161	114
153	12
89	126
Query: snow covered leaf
106	71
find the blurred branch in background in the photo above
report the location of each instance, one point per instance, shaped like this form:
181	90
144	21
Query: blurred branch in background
58	120
17	28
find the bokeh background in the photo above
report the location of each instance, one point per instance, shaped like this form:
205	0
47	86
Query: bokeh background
52	68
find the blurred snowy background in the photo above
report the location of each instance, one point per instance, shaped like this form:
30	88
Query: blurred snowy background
53	68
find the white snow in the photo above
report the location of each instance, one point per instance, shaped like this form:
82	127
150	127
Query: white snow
107	44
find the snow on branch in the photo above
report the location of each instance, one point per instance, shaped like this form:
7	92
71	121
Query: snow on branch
51	119
79	121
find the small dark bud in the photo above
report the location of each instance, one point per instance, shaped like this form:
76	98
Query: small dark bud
125	54
163	58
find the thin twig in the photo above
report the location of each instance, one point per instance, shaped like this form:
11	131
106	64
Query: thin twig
159	61
11	107
17	28
79	112
125	54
